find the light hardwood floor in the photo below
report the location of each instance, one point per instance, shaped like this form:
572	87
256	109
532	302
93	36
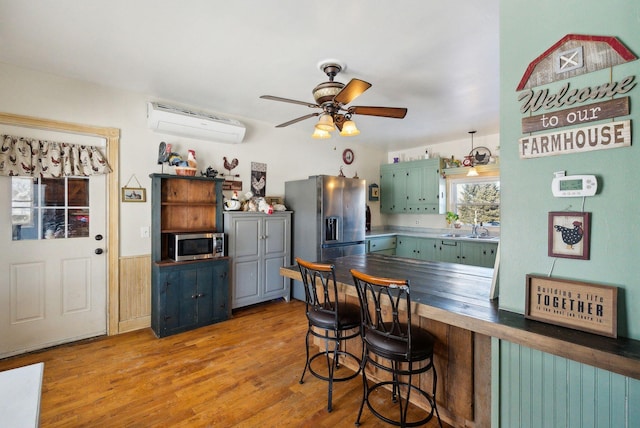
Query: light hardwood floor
243	372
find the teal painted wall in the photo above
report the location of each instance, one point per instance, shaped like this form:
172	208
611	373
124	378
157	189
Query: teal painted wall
527	29
531	388
542	390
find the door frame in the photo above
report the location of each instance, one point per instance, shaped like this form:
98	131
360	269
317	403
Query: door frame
112	136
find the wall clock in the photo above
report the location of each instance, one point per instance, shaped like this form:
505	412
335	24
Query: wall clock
348	156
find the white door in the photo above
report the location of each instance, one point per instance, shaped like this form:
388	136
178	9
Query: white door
53	283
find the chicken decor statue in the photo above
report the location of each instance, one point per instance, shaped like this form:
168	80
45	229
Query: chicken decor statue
230	165
571	236
165	155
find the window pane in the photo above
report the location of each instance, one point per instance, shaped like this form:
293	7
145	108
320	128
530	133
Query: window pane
53	224
78	223
78	192
53	192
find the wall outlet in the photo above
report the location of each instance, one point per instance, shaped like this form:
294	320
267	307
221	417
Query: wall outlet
144	232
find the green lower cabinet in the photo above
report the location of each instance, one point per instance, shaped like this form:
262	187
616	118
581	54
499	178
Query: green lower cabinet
448	250
416	248
478	254
382	245
441	250
187	296
466	253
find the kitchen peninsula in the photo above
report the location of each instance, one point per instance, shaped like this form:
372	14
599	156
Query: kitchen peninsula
452	301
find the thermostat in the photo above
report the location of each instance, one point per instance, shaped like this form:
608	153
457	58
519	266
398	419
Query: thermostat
574	186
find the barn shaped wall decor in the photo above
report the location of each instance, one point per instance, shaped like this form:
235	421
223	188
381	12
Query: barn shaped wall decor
567	106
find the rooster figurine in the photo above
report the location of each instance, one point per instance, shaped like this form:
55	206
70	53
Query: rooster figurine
571	236
230	165
191	159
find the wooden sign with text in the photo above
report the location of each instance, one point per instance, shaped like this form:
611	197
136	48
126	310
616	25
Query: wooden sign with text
610	135
589	113
578	305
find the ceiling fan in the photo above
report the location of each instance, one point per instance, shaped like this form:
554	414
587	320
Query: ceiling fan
331	98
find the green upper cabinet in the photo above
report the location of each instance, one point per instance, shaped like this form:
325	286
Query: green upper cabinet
393	189
414	187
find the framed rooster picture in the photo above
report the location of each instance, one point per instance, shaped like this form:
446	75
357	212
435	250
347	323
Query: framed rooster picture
569	234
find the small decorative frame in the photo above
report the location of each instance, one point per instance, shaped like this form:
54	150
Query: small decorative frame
134	194
374	192
577	305
569	234
273	200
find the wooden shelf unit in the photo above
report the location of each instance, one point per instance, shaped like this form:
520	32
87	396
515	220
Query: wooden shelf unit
186	295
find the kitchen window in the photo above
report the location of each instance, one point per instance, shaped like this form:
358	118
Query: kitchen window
475	199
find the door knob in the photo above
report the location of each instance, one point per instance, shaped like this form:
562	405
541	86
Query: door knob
99	251
98	237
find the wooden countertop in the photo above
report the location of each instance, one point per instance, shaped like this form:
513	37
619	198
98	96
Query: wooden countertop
458	295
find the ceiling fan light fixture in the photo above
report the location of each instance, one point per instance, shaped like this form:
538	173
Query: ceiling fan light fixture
325	123
320	134
325	92
349	129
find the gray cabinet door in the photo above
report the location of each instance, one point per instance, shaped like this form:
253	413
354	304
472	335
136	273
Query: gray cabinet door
276	253
259	245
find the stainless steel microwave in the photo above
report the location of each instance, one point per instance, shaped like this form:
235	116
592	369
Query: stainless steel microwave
195	246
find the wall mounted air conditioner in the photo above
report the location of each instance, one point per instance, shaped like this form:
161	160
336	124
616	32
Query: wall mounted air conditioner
172	120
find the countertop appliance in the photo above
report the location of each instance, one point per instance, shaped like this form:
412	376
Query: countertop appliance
328	219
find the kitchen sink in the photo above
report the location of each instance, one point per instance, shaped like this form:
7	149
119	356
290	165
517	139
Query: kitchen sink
451	235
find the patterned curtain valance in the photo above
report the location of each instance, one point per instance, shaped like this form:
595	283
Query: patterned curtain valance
48	159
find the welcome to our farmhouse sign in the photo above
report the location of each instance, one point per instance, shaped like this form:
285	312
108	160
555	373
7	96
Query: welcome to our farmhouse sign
571	56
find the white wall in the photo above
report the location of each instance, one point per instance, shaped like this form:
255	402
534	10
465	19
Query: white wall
289	153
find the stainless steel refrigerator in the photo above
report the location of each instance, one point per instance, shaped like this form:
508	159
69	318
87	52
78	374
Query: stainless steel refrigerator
329	216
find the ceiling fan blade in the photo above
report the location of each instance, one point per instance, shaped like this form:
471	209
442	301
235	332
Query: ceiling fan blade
351	91
291	122
394	112
287	100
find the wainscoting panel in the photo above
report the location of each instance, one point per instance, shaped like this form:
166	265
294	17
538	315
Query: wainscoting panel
537	389
135	293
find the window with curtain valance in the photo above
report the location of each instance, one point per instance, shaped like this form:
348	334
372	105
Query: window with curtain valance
28	157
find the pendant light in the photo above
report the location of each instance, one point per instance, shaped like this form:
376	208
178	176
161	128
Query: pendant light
472	172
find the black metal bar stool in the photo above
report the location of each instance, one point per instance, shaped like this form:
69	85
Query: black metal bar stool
329	320
393	345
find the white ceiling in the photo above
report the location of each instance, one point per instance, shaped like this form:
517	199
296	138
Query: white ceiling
438	59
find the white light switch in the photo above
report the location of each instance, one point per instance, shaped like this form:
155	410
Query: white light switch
144	232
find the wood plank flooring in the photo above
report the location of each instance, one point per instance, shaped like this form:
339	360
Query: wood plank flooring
239	373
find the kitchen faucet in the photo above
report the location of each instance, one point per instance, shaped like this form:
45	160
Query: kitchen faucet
479	230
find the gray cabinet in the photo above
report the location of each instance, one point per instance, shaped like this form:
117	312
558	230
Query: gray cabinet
258	245
414	187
